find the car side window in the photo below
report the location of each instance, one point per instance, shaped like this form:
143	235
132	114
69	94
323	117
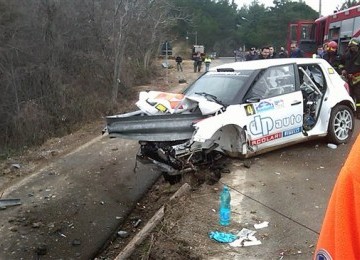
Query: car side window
316	75
274	81
259	88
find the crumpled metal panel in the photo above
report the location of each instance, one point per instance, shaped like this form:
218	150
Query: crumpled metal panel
167	127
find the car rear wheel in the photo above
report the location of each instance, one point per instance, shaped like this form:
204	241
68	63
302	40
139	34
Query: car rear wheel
341	124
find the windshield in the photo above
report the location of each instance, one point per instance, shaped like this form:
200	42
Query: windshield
224	86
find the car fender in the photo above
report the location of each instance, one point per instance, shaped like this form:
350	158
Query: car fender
322	123
338	93
206	128
230	139
340	97
332	100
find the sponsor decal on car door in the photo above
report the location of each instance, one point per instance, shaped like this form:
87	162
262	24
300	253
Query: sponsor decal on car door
275	120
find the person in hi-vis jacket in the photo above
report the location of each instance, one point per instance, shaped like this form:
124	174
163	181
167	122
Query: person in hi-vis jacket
340	232
207	62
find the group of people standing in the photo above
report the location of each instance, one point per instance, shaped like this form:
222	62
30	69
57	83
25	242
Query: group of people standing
268	52
347	65
198	60
350	66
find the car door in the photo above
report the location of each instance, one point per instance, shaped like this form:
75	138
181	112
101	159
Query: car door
313	86
274	107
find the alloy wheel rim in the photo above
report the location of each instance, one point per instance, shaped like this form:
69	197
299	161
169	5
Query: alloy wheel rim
342	124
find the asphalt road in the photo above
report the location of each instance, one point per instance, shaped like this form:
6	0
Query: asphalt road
290	189
72	206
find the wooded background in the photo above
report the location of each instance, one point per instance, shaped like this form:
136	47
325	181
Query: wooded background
66	62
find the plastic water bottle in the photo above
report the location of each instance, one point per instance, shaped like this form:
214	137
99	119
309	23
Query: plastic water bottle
225	211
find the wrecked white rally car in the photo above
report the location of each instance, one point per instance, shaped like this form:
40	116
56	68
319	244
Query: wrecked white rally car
239	109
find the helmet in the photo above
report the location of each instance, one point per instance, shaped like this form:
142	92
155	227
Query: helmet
332	46
354	42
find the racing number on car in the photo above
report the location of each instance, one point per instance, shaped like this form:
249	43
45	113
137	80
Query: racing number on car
249	109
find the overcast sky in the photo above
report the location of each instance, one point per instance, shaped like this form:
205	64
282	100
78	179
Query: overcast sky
327	6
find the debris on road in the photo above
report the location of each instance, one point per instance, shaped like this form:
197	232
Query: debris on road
15	166
137	223
247	163
4	203
246	238
261	225
123	234
76	242
332	146
222	237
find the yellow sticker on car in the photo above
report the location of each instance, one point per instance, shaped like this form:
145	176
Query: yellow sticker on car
161	107
249	109
331	71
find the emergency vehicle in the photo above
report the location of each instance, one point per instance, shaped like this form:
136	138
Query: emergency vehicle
340	27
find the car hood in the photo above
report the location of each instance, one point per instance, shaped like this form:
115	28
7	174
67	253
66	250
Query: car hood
157	103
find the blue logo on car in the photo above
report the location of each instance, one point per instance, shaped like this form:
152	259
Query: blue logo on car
264	106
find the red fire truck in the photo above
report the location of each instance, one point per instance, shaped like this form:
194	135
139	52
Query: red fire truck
340	26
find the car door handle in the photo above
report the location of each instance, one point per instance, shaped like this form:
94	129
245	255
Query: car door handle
296	103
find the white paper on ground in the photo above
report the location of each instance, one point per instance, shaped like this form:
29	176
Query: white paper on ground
261	225
246	238
252	243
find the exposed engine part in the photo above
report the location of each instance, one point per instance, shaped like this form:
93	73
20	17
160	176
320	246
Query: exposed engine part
174	158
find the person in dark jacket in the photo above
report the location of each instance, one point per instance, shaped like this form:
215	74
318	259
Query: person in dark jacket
331	56
351	71
252	55
272	54
283	53
320	51
265	53
197	61
179	60
295	51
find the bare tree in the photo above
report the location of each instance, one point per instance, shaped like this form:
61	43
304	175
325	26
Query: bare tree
139	27
59	58
156	23
124	11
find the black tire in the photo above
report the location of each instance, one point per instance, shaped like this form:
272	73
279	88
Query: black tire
341	124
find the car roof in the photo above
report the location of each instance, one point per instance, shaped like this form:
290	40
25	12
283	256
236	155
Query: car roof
262	64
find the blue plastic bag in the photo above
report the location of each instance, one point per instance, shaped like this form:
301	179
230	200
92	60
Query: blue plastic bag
222	237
